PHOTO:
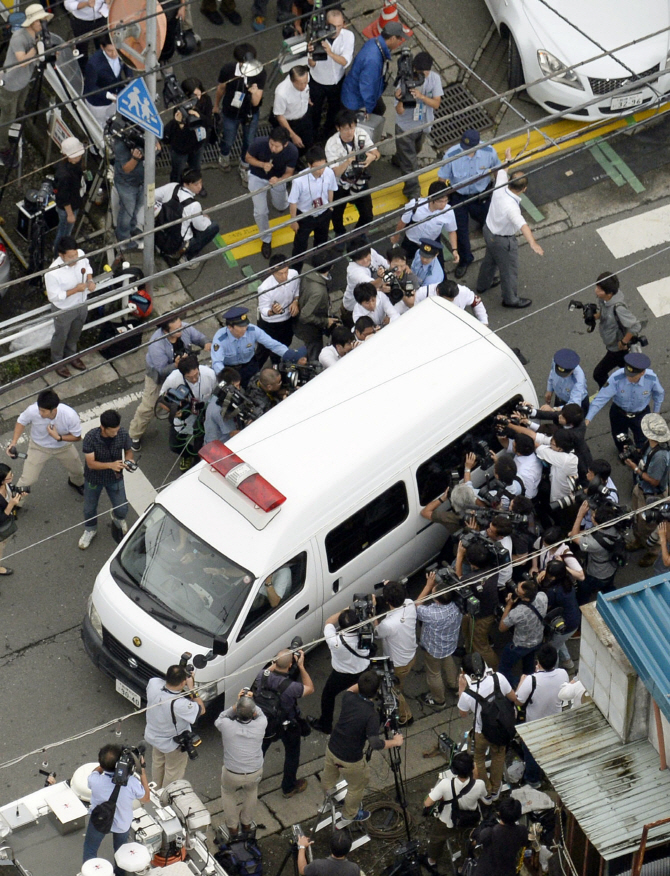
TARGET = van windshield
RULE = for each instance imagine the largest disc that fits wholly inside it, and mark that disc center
(189, 577)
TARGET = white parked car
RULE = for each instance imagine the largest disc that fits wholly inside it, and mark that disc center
(541, 42)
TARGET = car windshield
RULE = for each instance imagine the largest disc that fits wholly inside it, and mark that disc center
(189, 577)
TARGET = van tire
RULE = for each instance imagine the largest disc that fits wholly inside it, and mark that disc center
(515, 76)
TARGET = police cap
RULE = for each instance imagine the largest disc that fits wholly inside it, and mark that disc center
(566, 360)
(470, 138)
(237, 316)
(636, 363)
(429, 247)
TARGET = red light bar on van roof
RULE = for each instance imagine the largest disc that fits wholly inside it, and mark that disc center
(241, 476)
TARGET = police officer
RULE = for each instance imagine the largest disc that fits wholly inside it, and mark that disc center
(634, 390)
(460, 171)
(235, 345)
(425, 263)
(567, 381)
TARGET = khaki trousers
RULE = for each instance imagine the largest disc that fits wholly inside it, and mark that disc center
(480, 638)
(38, 457)
(438, 668)
(145, 410)
(166, 768)
(641, 528)
(236, 787)
(493, 779)
(404, 711)
(357, 776)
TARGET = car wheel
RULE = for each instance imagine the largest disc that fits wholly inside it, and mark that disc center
(515, 76)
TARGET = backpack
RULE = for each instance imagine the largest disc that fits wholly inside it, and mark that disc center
(268, 700)
(169, 240)
(102, 817)
(497, 714)
(240, 858)
(615, 545)
(463, 817)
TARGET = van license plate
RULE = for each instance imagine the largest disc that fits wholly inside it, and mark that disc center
(627, 102)
(129, 694)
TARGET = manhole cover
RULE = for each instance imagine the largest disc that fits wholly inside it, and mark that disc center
(456, 114)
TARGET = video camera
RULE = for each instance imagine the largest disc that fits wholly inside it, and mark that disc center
(486, 515)
(232, 398)
(127, 763)
(181, 403)
(398, 286)
(297, 375)
(126, 131)
(498, 554)
(588, 313)
(187, 740)
(628, 450)
(462, 595)
(659, 514)
(364, 608)
(37, 200)
(317, 30)
(407, 79)
(383, 666)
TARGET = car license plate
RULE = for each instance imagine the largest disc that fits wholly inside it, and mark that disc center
(128, 693)
(630, 100)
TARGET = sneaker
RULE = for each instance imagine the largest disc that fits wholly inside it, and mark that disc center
(87, 537)
(185, 463)
(188, 264)
(77, 487)
(362, 815)
(300, 786)
(491, 798)
(428, 700)
(258, 22)
(244, 174)
(120, 524)
(567, 664)
(224, 162)
(534, 785)
(136, 444)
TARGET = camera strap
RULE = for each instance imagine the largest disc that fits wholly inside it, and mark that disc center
(174, 719)
(620, 324)
(533, 609)
(349, 648)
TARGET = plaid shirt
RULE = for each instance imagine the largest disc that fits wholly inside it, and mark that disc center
(441, 626)
(105, 450)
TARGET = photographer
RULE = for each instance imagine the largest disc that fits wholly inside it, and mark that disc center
(242, 729)
(326, 76)
(450, 510)
(478, 630)
(354, 149)
(357, 725)
(412, 123)
(524, 612)
(169, 344)
(551, 546)
(651, 482)
(314, 305)
(599, 547)
(169, 715)
(398, 634)
(266, 391)
(216, 428)
(106, 450)
(196, 229)
(10, 498)
(570, 418)
(101, 785)
(528, 466)
(280, 677)
(499, 529)
(478, 678)
(373, 303)
(336, 865)
(366, 266)
(462, 793)
(341, 343)
(462, 297)
(278, 304)
(129, 184)
(348, 661)
(238, 99)
(502, 843)
(68, 282)
(397, 259)
(440, 627)
(186, 432)
(616, 324)
(561, 593)
(186, 135)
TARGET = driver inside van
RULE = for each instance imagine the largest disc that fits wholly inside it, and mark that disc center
(275, 587)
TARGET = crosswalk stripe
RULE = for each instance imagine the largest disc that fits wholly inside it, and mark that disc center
(657, 296)
(627, 236)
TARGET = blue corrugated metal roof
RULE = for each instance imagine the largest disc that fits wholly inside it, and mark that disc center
(639, 617)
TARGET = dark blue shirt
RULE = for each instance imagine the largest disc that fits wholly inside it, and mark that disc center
(260, 150)
(105, 450)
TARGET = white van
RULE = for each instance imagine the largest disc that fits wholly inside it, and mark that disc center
(323, 493)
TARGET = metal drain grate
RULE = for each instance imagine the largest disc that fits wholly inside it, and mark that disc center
(456, 114)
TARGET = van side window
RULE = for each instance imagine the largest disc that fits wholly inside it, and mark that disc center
(367, 526)
(275, 590)
(434, 475)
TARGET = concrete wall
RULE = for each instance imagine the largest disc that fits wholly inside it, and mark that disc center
(608, 676)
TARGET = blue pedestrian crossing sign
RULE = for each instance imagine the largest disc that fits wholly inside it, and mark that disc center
(135, 103)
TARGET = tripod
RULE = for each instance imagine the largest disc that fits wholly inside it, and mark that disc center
(291, 853)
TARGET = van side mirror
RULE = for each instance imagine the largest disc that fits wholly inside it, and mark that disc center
(220, 647)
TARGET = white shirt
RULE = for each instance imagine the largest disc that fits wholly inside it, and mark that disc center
(66, 422)
(360, 274)
(398, 630)
(467, 298)
(383, 309)
(99, 10)
(563, 466)
(545, 701)
(289, 102)
(160, 727)
(65, 277)
(201, 390)
(192, 213)
(504, 216)
(505, 574)
(529, 469)
(329, 356)
(337, 150)
(343, 660)
(270, 292)
(469, 801)
(307, 189)
(466, 703)
(427, 223)
(329, 72)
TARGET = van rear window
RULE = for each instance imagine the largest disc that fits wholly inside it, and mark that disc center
(367, 526)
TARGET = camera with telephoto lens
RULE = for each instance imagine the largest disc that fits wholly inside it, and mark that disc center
(174, 95)
(588, 313)
(628, 449)
(298, 375)
(364, 608)
(485, 515)
(481, 450)
(407, 79)
(398, 286)
(36, 200)
(498, 554)
(356, 175)
(232, 398)
(569, 499)
(525, 410)
(126, 131)
(45, 36)
(181, 402)
(659, 514)
(462, 595)
(188, 741)
(492, 492)
(130, 759)
(317, 29)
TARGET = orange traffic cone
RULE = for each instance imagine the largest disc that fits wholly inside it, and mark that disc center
(389, 13)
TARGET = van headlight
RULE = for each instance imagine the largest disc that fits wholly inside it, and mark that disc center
(94, 617)
(551, 66)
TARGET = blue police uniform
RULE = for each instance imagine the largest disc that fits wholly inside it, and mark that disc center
(570, 388)
(630, 401)
(457, 169)
(427, 274)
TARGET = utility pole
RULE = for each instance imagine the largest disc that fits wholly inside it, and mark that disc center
(149, 144)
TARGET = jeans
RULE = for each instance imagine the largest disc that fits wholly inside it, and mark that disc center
(532, 773)
(200, 240)
(130, 200)
(478, 210)
(510, 655)
(117, 497)
(179, 162)
(230, 127)
(290, 737)
(559, 641)
(64, 227)
(92, 841)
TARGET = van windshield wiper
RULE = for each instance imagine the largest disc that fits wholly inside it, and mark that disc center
(178, 620)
